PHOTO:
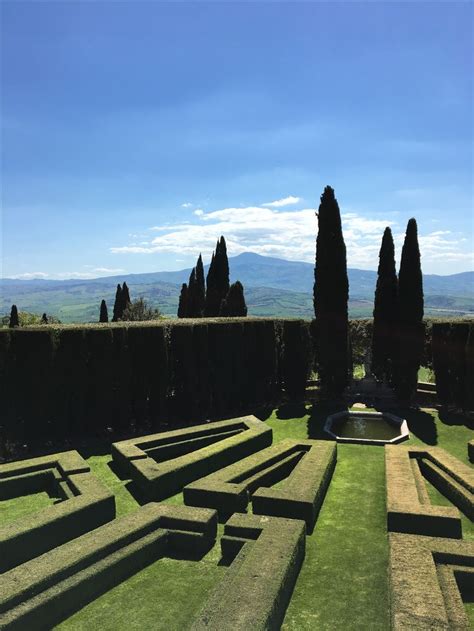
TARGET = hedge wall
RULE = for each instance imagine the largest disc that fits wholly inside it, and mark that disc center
(57, 382)
(453, 362)
(83, 380)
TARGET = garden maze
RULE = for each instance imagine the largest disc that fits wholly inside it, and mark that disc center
(255, 499)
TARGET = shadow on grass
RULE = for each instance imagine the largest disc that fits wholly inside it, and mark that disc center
(420, 423)
(318, 416)
(449, 417)
(263, 413)
(292, 409)
(117, 471)
(189, 554)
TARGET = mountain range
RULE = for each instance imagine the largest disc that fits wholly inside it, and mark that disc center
(273, 287)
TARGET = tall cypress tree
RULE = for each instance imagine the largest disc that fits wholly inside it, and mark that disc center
(410, 305)
(222, 269)
(192, 295)
(14, 321)
(212, 295)
(385, 311)
(183, 302)
(118, 304)
(330, 296)
(125, 297)
(104, 316)
(233, 304)
(200, 297)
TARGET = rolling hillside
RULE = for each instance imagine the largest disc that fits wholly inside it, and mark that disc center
(273, 287)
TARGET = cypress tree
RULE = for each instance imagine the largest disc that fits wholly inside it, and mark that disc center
(330, 296)
(192, 295)
(200, 294)
(118, 309)
(222, 269)
(385, 311)
(233, 304)
(217, 279)
(212, 296)
(125, 297)
(14, 321)
(183, 302)
(410, 305)
(44, 319)
(104, 316)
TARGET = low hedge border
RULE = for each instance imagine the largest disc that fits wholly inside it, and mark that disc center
(257, 588)
(87, 504)
(427, 577)
(207, 447)
(302, 494)
(449, 487)
(408, 510)
(46, 590)
(309, 465)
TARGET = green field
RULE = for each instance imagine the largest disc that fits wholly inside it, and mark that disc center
(343, 582)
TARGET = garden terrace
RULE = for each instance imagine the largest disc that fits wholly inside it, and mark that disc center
(161, 464)
(83, 503)
(429, 579)
(44, 591)
(140, 569)
(305, 467)
(408, 505)
(137, 570)
(266, 555)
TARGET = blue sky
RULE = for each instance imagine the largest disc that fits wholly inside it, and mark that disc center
(135, 133)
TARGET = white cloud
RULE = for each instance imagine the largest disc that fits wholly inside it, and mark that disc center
(68, 275)
(108, 270)
(199, 212)
(29, 275)
(286, 201)
(186, 205)
(289, 234)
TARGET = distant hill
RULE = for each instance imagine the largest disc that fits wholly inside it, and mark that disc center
(273, 287)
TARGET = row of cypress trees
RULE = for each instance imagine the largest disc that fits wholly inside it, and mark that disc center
(398, 333)
(216, 297)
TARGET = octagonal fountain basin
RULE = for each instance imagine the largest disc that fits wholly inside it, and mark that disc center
(367, 428)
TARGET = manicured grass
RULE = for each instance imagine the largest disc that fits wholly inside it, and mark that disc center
(343, 583)
(426, 374)
(165, 595)
(18, 507)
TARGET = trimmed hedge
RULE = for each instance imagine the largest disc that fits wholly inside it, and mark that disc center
(302, 493)
(162, 464)
(44, 591)
(453, 363)
(408, 507)
(427, 578)
(307, 464)
(255, 591)
(70, 381)
(87, 504)
(60, 382)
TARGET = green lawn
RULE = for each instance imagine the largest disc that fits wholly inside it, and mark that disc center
(19, 507)
(343, 582)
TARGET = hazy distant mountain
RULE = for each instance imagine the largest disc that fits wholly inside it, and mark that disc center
(272, 286)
